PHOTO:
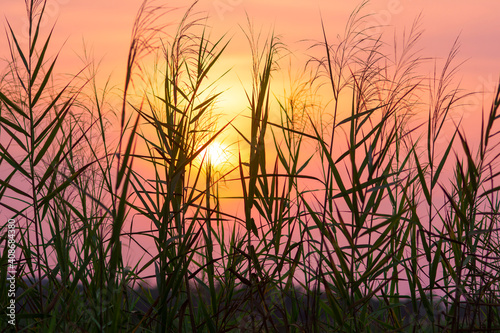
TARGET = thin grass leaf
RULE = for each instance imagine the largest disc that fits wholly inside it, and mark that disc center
(10, 104)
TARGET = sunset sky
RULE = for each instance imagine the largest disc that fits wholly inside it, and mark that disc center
(105, 26)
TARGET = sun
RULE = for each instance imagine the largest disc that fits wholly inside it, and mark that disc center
(216, 154)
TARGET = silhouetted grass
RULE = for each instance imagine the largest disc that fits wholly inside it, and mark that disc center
(356, 216)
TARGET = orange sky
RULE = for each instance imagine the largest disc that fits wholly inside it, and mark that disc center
(106, 25)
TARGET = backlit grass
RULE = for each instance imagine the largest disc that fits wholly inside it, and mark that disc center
(355, 213)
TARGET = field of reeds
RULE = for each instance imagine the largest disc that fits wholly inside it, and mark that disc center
(370, 211)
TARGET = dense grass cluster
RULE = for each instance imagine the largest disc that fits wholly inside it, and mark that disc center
(358, 215)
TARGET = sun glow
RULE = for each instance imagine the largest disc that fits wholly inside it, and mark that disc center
(216, 155)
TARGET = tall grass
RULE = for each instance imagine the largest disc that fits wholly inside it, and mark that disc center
(355, 216)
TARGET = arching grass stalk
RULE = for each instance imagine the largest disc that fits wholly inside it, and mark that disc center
(176, 114)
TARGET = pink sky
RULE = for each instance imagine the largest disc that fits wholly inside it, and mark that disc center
(105, 26)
